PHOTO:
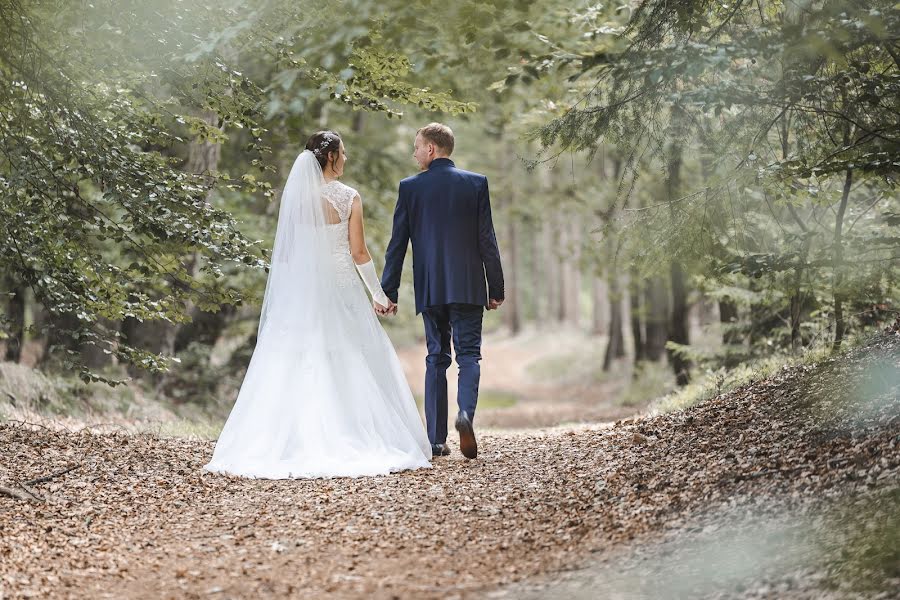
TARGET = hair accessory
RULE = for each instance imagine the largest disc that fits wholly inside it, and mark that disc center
(326, 141)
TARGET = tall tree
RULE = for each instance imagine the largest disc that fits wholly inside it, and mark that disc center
(101, 99)
(728, 77)
(678, 323)
(14, 293)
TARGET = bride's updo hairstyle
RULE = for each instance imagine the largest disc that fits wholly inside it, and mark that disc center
(323, 143)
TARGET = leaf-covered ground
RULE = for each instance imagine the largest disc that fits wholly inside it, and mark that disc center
(816, 448)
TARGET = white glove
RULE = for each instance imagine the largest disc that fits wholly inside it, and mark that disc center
(369, 277)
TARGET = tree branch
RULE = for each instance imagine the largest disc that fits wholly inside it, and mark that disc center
(47, 478)
(19, 494)
(722, 25)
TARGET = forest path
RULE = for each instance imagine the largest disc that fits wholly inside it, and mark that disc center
(537, 378)
(138, 518)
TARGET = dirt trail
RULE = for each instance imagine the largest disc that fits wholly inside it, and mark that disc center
(546, 378)
(137, 518)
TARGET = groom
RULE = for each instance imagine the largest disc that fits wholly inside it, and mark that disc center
(446, 213)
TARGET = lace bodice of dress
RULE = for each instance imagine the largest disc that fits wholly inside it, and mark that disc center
(340, 197)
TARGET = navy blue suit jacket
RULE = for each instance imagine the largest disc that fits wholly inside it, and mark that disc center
(446, 213)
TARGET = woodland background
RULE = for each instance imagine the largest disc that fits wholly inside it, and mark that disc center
(701, 189)
(692, 389)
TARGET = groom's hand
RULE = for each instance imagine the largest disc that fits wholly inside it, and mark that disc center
(383, 311)
(494, 304)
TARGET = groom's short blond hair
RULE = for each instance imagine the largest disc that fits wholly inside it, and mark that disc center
(440, 135)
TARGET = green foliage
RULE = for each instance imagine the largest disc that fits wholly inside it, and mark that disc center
(100, 215)
(788, 122)
(103, 215)
(649, 381)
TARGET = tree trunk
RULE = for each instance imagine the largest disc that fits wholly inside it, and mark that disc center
(156, 336)
(615, 347)
(58, 335)
(93, 357)
(162, 337)
(599, 304)
(837, 292)
(15, 312)
(634, 305)
(706, 312)
(798, 300)
(204, 328)
(537, 277)
(657, 316)
(679, 325)
(52, 333)
(550, 284)
(798, 296)
(556, 284)
(678, 328)
(562, 284)
(512, 310)
(838, 280)
(359, 121)
(573, 262)
(203, 157)
(728, 316)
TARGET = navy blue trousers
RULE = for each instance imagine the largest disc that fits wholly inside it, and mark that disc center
(462, 324)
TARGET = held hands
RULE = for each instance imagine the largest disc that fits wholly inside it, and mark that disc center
(383, 311)
(391, 308)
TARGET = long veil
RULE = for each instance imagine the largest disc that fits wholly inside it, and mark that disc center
(301, 273)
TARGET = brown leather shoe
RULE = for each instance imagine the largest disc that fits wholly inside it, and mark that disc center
(467, 444)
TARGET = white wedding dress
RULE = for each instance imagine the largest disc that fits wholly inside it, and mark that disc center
(324, 394)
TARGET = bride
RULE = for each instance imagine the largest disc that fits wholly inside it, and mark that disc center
(324, 394)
